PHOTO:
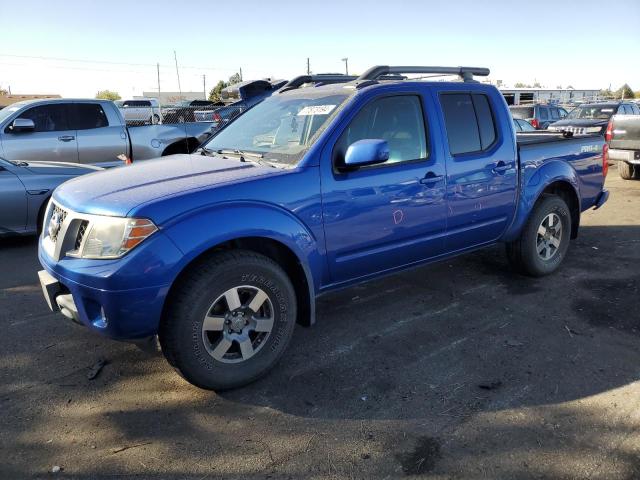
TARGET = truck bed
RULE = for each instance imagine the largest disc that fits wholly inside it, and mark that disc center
(530, 138)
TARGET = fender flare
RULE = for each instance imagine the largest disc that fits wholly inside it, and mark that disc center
(248, 219)
(532, 187)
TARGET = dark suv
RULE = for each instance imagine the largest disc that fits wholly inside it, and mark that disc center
(540, 116)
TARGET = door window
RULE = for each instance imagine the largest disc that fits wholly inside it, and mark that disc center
(543, 113)
(85, 116)
(469, 122)
(48, 118)
(398, 120)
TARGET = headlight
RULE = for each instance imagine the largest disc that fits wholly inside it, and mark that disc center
(112, 237)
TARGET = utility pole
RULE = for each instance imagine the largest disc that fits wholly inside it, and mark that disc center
(240, 73)
(346, 65)
(308, 67)
(159, 91)
(204, 86)
(175, 57)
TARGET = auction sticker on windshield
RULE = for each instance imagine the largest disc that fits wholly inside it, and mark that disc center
(317, 110)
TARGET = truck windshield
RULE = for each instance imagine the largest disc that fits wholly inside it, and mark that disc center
(593, 112)
(282, 127)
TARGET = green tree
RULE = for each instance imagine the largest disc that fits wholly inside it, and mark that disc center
(215, 93)
(235, 78)
(108, 95)
(3, 91)
(521, 85)
(625, 91)
(537, 85)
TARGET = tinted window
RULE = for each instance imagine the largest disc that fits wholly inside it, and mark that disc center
(525, 126)
(398, 120)
(542, 113)
(636, 110)
(48, 118)
(137, 103)
(460, 121)
(469, 122)
(485, 120)
(563, 112)
(88, 115)
(554, 113)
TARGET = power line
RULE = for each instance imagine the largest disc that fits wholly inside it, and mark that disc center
(107, 62)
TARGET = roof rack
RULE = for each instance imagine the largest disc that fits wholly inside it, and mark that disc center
(321, 79)
(466, 73)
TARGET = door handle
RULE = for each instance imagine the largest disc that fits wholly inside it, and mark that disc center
(500, 168)
(66, 138)
(430, 178)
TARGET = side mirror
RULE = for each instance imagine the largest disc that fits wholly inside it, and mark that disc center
(366, 152)
(22, 125)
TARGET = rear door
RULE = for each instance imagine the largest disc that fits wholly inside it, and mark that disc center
(481, 169)
(13, 201)
(100, 139)
(52, 139)
(380, 217)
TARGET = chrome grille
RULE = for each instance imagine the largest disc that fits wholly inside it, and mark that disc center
(55, 222)
(80, 236)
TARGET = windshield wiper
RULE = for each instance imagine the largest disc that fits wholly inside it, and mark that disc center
(239, 153)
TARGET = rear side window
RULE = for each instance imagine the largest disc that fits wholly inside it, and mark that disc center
(398, 120)
(636, 110)
(86, 116)
(542, 113)
(48, 118)
(137, 103)
(469, 122)
(554, 113)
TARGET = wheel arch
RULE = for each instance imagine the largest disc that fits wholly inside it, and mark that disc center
(271, 248)
(560, 179)
(184, 145)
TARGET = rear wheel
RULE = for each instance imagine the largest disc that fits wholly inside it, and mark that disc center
(544, 240)
(229, 320)
(625, 170)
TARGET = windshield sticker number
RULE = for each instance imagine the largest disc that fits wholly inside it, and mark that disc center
(316, 110)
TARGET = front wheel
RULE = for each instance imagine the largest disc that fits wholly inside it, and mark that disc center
(229, 320)
(544, 240)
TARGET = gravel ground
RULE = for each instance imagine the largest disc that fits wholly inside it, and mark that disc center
(457, 370)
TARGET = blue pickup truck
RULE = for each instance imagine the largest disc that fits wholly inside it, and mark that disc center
(221, 252)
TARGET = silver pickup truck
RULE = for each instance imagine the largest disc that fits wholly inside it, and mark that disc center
(623, 138)
(89, 131)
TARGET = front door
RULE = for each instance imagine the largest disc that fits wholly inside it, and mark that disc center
(52, 139)
(384, 216)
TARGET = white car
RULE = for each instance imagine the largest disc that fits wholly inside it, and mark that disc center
(144, 110)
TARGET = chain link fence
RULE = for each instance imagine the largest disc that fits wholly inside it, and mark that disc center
(148, 112)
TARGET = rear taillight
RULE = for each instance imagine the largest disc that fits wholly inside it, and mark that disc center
(605, 160)
(608, 135)
(217, 117)
(535, 123)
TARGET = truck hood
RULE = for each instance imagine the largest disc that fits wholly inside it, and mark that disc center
(118, 190)
(58, 168)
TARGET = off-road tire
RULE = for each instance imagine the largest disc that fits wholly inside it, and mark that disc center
(523, 252)
(180, 331)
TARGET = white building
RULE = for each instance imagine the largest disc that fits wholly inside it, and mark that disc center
(167, 98)
(518, 96)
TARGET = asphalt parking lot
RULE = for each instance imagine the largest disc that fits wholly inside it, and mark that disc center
(457, 370)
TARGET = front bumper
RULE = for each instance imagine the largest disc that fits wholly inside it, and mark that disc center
(121, 299)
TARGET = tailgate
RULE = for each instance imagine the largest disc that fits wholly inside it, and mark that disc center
(625, 134)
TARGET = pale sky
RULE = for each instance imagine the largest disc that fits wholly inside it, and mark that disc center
(75, 48)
